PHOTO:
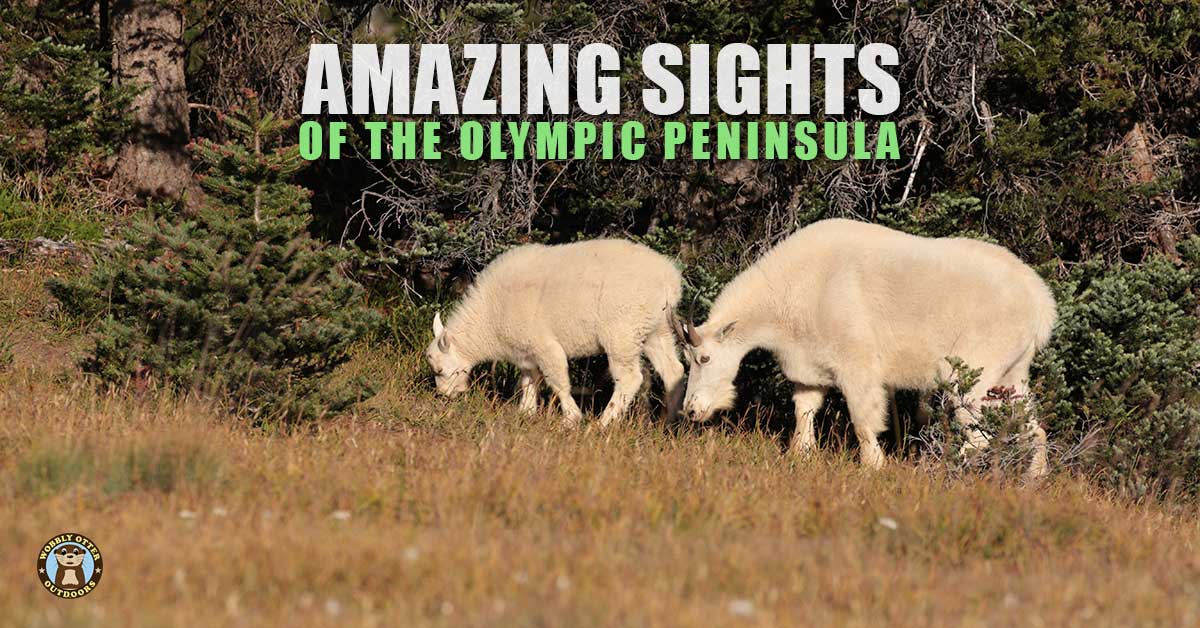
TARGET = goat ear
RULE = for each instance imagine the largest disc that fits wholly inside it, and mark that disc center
(438, 328)
(439, 332)
(725, 330)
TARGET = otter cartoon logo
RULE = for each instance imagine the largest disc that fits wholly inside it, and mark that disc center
(70, 565)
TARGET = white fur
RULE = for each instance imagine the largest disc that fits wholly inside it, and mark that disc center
(538, 306)
(865, 309)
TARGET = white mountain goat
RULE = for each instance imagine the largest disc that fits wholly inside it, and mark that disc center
(537, 306)
(867, 309)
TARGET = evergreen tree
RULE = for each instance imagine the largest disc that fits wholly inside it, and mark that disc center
(1123, 362)
(237, 300)
(56, 102)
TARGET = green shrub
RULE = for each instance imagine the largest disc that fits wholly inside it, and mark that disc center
(56, 100)
(1124, 363)
(237, 300)
(1002, 417)
(61, 118)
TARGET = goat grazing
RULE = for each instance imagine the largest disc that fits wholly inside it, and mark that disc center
(538, 306)
(867, 309)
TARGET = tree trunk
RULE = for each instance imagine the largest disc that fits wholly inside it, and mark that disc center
(147, 39)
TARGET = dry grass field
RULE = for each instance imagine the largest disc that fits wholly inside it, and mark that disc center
(413, 511)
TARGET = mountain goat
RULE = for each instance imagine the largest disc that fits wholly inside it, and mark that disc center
(867, 309)
(537, 306)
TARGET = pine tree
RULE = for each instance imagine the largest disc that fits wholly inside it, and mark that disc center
(238, 300)
(56, 101)
(1123, 363)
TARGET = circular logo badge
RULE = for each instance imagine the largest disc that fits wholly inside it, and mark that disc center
(69, 565)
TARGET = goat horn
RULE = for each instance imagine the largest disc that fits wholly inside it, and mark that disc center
(693, 338)
(677, 327)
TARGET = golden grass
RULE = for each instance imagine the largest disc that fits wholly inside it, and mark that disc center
(414, 511)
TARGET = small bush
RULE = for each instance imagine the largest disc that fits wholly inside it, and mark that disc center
(57, 102)
(1002, 417)
(1125, 360)
(238, 300)
(61, 118)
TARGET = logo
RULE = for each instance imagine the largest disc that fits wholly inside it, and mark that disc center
(70, 565)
